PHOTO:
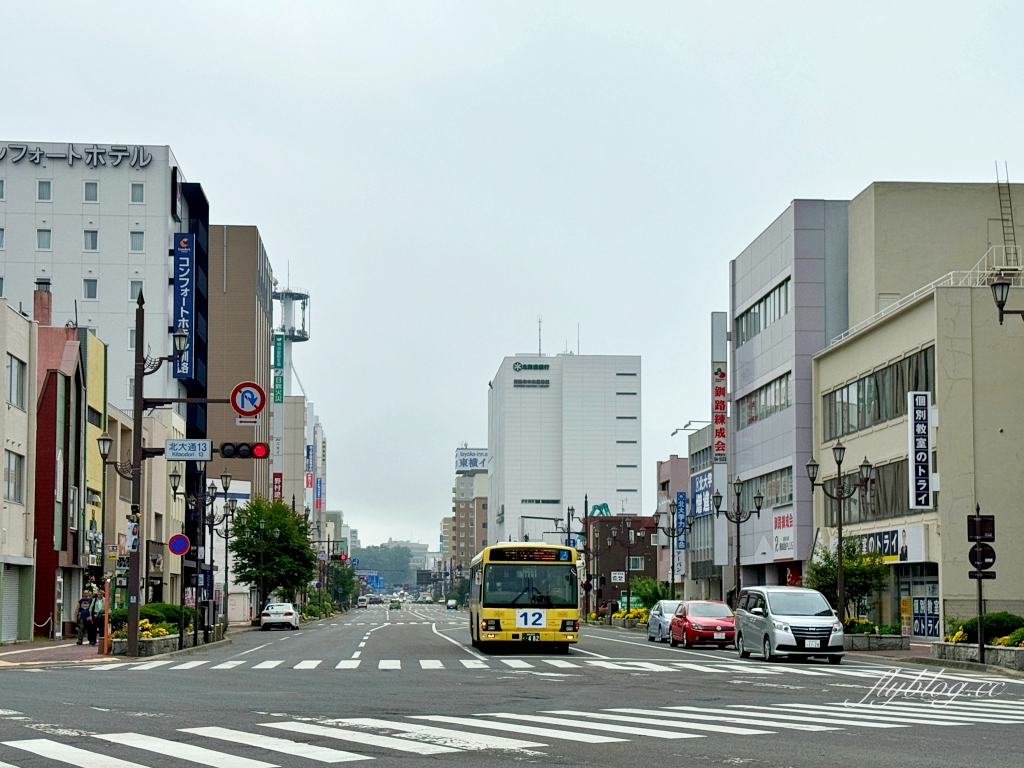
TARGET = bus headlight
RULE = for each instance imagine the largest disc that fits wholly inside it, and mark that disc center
(570, 625)
(490, 625)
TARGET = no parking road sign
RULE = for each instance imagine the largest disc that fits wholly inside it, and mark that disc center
(248, 398)
(178, 544)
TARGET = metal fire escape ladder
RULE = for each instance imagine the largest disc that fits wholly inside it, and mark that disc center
(1006, 214)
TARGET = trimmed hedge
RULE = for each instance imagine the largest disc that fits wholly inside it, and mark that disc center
(996, 625)
(155, 612)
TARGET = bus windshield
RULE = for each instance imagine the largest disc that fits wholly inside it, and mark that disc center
(552, 586)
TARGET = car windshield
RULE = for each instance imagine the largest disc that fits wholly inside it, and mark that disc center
(279, 607)
(522, 584)
(670, 606)
(708, 610)
(798, 604)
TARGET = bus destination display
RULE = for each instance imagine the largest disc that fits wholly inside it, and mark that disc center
(529, 555)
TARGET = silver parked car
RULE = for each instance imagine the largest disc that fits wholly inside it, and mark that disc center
(659, 620)
(787, 621)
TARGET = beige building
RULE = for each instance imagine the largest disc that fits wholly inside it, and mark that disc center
(293, 451)
(241, 338)
(19, 340)
(923, 320)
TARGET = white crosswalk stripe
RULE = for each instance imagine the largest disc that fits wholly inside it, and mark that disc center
(880, 713)
(66, 753)
(656, 733)
(183, 751)
(623, 718)
(275, 744)
(550, 733)
(818, 719)
(229, 665)
(474, 664)
(269, 664)
(463, 739)
(700, 713)
(308, 664)
(150, 665)
(389, 664)
(361, 737)
(517, 663)
(347, 664)
(431, 664)
(190, 665)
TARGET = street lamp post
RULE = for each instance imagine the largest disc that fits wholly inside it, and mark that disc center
(839, 494)
(738, 516)
(1000, 293)
(628, 543)
(144, 366)
(672, 532)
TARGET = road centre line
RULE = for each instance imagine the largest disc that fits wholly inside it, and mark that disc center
(456, 642)
(255, 649)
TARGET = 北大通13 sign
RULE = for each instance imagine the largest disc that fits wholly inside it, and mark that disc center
(183, 298)
(91, 155)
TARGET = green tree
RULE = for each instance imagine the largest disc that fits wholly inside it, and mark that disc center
(392, 563)
(342, 585)
(649, 591)
(284, 563)
(863, 574)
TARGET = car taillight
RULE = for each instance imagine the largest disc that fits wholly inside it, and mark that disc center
(570, 625)
(265, 613)
(490, 625)
(289, 613)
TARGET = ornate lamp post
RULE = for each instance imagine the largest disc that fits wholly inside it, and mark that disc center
(1000, 293)
(737, 516)
(672, 532)
(840, 493)
(628, 543)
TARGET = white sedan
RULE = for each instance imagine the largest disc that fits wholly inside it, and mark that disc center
(279, 615)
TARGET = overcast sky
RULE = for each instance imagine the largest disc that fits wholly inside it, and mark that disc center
(440, 174)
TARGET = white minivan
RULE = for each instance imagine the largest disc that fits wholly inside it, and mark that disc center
(362, 601)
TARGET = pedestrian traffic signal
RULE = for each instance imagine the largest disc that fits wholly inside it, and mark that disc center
(244, 450)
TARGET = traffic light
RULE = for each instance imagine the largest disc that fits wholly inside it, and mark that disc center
(244, 450)
(342, 557)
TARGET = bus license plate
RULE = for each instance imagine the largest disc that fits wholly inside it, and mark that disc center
(812, 643)
(531, 637)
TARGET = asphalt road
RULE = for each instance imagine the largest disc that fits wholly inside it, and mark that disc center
(403, 688)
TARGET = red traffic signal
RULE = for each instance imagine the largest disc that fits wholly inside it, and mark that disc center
(344, 557)
(244, 450)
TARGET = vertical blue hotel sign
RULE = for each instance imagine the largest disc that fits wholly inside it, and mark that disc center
(184, 299)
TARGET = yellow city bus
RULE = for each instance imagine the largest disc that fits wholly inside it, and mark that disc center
(524, 592)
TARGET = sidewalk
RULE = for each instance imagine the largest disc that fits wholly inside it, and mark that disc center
(49, 651)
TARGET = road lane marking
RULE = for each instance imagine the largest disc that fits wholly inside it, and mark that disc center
(228, 665)
(348, 664)
(356, 654)
(275, 744)
(182, 751)
(577, 649)
(190, 665)
(431, 664)
(461, 738)
(389, 664)
(517, 664)
(599, 636)
(561, 664)
(108, 666)
(748, 668)
(361, 737)
(433, 628)
(362, 644)
(308, 664)
(698, 714)
(255, 649)
(551, 733)
(656, 733)
(269, 664)
(65, 753)
(623, 718)
(474, 664)
(879, 713)
(151, 665)
(798, 718)
(696, 667)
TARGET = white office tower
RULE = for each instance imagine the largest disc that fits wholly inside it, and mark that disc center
(560, 429)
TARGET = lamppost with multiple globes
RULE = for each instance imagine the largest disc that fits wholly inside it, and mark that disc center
(673, 532)
(132, 470)
(841, 491)
(737, 515)
(627, 542)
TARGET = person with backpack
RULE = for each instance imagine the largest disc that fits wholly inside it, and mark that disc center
(83, 616)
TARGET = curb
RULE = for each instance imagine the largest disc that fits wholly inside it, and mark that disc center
(969, 666)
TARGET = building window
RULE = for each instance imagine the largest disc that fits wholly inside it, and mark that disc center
(94, 417)
(462, 504)
(764, 401)
(1, 238)
(483, 542)
(540, 501)
(627, 418)
(131, 387)
(1, 279)
(626, 466)
(462, 524)
(137, 242)
(483, 524)
(701, 460)
(131, 338)
(878, 397)
(625, 442)
(92, 191)
(776, 487)
(44, 191)
(92, 240)
(89, 289)
(1, 189)
(138, 192)
(773, 306)
(43, 239)
(134, 289)
(636, 563)
(653, 538)
(14, 477)
(625, 490)
(625, 374)
(16, 381)
(632, 394)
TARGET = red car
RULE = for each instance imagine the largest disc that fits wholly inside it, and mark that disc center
(702, 621)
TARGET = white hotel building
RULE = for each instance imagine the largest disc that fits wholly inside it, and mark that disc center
(560, 429)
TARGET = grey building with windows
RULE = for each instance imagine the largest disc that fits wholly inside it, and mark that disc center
(788, 298)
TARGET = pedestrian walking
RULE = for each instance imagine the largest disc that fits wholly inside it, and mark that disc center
(84, 616)
(97, 610)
